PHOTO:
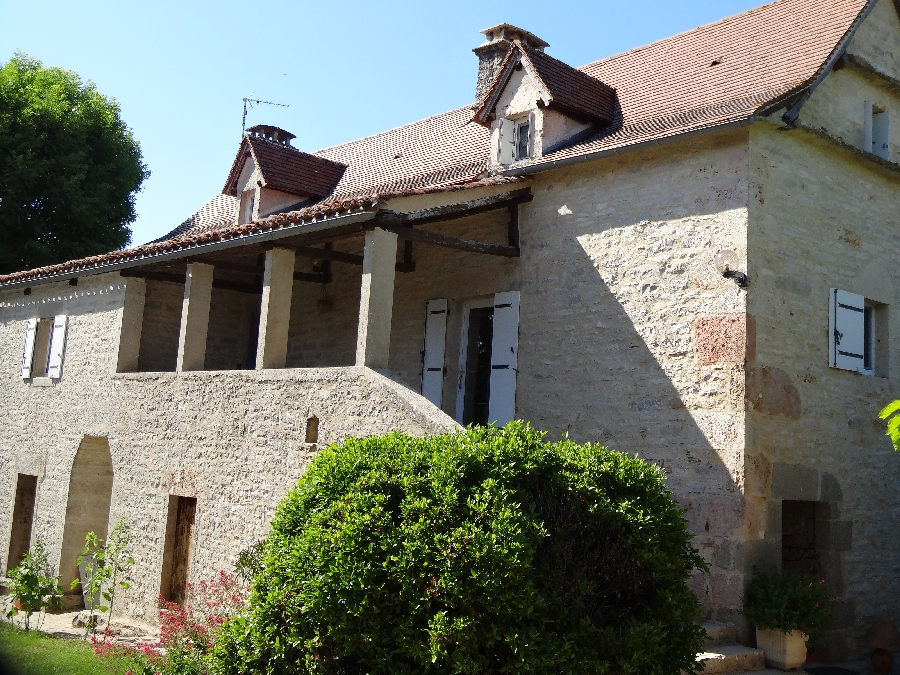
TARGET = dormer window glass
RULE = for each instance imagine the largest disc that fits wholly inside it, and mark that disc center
(523, 135)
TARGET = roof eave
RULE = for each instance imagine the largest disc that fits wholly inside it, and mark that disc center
(197, 249)
(608, 152)
(798, 96)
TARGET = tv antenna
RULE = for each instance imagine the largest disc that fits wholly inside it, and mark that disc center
(250, 103)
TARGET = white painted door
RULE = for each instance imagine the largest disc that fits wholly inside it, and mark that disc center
(433, 357)
(504, 357)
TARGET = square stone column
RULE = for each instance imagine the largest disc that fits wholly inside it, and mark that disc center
(275, 310)
(376, 303)
(132, 325)
(195, 317)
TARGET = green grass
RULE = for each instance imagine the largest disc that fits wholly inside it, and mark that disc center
(33, 653)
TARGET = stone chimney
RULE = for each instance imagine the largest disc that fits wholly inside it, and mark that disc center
(498, 41)
(271, 133)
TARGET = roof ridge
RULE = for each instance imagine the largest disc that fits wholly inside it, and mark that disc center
(639, 48)
(393, 129)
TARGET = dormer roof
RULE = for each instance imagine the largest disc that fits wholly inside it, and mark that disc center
(284, 168)
(560, 87)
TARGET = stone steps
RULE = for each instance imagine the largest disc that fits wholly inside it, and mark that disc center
(725, 659)
(723, 656)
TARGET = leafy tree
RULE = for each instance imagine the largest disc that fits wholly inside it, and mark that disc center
(486, 551)
(69, 168)
(893, 425)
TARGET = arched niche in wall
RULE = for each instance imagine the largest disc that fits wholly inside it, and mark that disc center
(87, 509)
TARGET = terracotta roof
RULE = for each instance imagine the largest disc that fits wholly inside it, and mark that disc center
(293, 220)
(723, 72)
(286, 168)
(440, 149)
(218, 212)
(562, 87)
(717, 73)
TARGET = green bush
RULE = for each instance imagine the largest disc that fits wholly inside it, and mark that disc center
(787, 601)
(487, 551)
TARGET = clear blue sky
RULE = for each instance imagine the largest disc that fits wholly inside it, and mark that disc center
(346, 68)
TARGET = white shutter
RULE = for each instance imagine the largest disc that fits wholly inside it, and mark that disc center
(847, 343)
(507, 141)
(867, 126)
(57, 346)
(28, 354)
(504, 358)
(881, 135)
(433, 357)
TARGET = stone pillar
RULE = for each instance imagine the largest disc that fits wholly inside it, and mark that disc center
(132, 325)
(195, 317)
(376, 303)
(275, 310)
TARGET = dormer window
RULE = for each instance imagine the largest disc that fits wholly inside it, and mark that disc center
(523, 136)
(535, 105)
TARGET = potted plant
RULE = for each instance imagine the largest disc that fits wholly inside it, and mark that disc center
(786, 608)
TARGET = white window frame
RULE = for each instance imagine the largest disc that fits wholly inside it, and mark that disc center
(520, 124)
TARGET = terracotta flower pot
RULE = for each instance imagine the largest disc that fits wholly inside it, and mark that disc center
(784, 651)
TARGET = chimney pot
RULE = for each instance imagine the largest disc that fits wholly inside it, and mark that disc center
(498, 41)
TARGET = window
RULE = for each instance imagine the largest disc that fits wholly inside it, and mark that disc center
(512, 139)
(858, 334)
(45, 341)
(523, 135)
(877, 131)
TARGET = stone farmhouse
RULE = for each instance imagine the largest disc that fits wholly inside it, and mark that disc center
(687, 251)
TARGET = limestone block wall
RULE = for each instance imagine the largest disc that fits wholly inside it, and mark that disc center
(837, 107)
(821, 217)
(233, 440)
(877, 40)
(630, 338)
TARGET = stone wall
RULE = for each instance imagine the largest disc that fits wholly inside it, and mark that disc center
(630, 338)
(823, 216)
(233, 440)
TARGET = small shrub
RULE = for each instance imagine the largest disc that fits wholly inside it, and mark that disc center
(32, 585)
(488, 551)
(186, 632)
(107, 570)
(787, 601)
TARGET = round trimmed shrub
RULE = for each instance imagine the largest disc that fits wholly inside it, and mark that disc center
(485, 551)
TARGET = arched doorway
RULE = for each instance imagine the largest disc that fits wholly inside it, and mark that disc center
(87, 509)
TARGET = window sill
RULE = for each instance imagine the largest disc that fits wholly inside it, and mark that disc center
(41, 382)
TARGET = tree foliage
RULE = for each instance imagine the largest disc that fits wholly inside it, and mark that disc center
(69, 168)
(893, 425)
(488, 551)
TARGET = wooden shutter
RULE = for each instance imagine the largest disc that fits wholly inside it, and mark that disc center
(433, 356)
(847, 330)
(881, 135)
(867, 126)
(28, 354)
(57, 346)
(507, 143)
(504, 358)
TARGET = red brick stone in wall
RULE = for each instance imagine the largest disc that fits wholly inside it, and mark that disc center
(723, 339)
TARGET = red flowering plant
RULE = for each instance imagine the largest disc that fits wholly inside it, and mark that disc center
(187, 631)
